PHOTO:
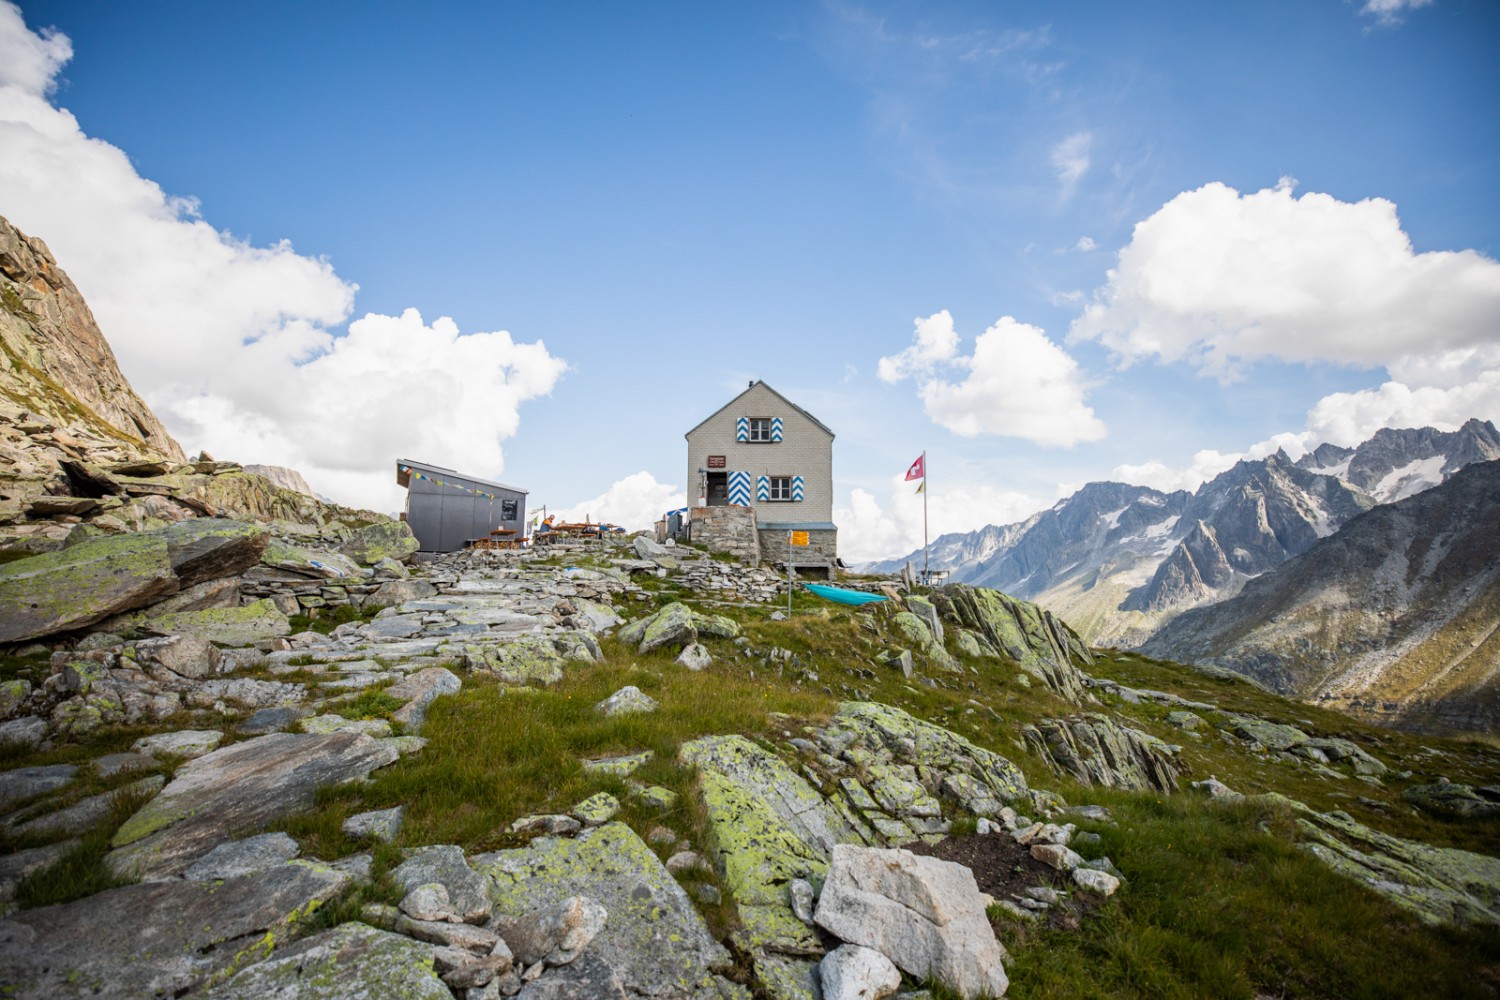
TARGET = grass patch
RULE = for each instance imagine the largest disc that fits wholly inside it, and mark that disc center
(1220, 902)
(34, 668)
(81, 870)
(496, 754)
(370, 704)
(329, 619)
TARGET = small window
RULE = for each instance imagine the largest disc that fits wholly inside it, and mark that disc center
(760, 428)
(781, 487)
(510, 510)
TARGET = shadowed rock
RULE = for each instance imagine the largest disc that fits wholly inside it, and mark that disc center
(153, 939)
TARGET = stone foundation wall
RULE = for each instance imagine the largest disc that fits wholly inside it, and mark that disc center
(726, 529)
(821, 549)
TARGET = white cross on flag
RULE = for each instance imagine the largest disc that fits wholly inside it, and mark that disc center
(918, 468)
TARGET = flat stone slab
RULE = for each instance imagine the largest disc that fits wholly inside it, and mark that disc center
(84, 813)
(184, 743)
(112, 764)
(241, 787)
(272, 720)
(82, 584)
(234, 858)
(242, 626)
(24, 782)
(654, 940)
(351, 962)
(153, 939)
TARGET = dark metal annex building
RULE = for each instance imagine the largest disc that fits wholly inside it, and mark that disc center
(447, 510)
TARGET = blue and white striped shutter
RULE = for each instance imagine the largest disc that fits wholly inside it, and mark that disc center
(796, 487)
(739, 488)
(763, 488)
(775, 428)
(742, 430)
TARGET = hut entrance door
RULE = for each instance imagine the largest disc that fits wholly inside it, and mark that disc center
(718, 489)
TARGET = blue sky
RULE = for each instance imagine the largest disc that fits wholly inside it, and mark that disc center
(659, 202)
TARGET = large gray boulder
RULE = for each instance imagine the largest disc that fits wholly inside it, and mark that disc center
(419, 691)
(394, 593)
(83, 584)
(654, 943)
(153, 939)
(351, 962)
(241, 787)
(444, 865)
(924, 914)
(383, 540)
(208, 548)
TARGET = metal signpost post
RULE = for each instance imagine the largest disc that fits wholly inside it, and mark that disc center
(792, 538)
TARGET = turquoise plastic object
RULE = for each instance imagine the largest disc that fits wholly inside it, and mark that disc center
(839, 595)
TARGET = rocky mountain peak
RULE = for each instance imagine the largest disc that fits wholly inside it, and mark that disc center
(55, 363)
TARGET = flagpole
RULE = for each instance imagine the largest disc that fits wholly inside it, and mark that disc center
(925, 578)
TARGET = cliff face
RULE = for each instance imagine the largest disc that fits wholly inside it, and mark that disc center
(1394, 617)
(56, 364)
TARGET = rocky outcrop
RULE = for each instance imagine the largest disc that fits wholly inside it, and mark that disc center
(1042, 644)
(925, 915)
(876, 776)
(61, 591)
(56, 364)
(1393, 618)
(237, 788)
(675, 626)
(350, 961)
(1438, 884)
(1097, 750)
(282, 478)
(653, 943)
(109, 575)
(192, 929)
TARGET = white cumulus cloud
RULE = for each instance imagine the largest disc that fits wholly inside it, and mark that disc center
(1016, 383)
(635, 503)
(871, 529)
(1216, 277)
(239, 347)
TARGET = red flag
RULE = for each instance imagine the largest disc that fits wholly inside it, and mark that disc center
(918, 468)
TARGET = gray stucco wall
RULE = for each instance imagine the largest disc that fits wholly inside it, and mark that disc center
(805, 450)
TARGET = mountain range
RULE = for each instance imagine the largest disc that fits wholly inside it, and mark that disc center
(1120, 561)
(1395, 615)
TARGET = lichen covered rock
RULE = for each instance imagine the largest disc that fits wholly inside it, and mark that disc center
(1043, 645)
(351, 962)
(654, 941)
(82, 584)
(383, 540)
(1099, 751)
